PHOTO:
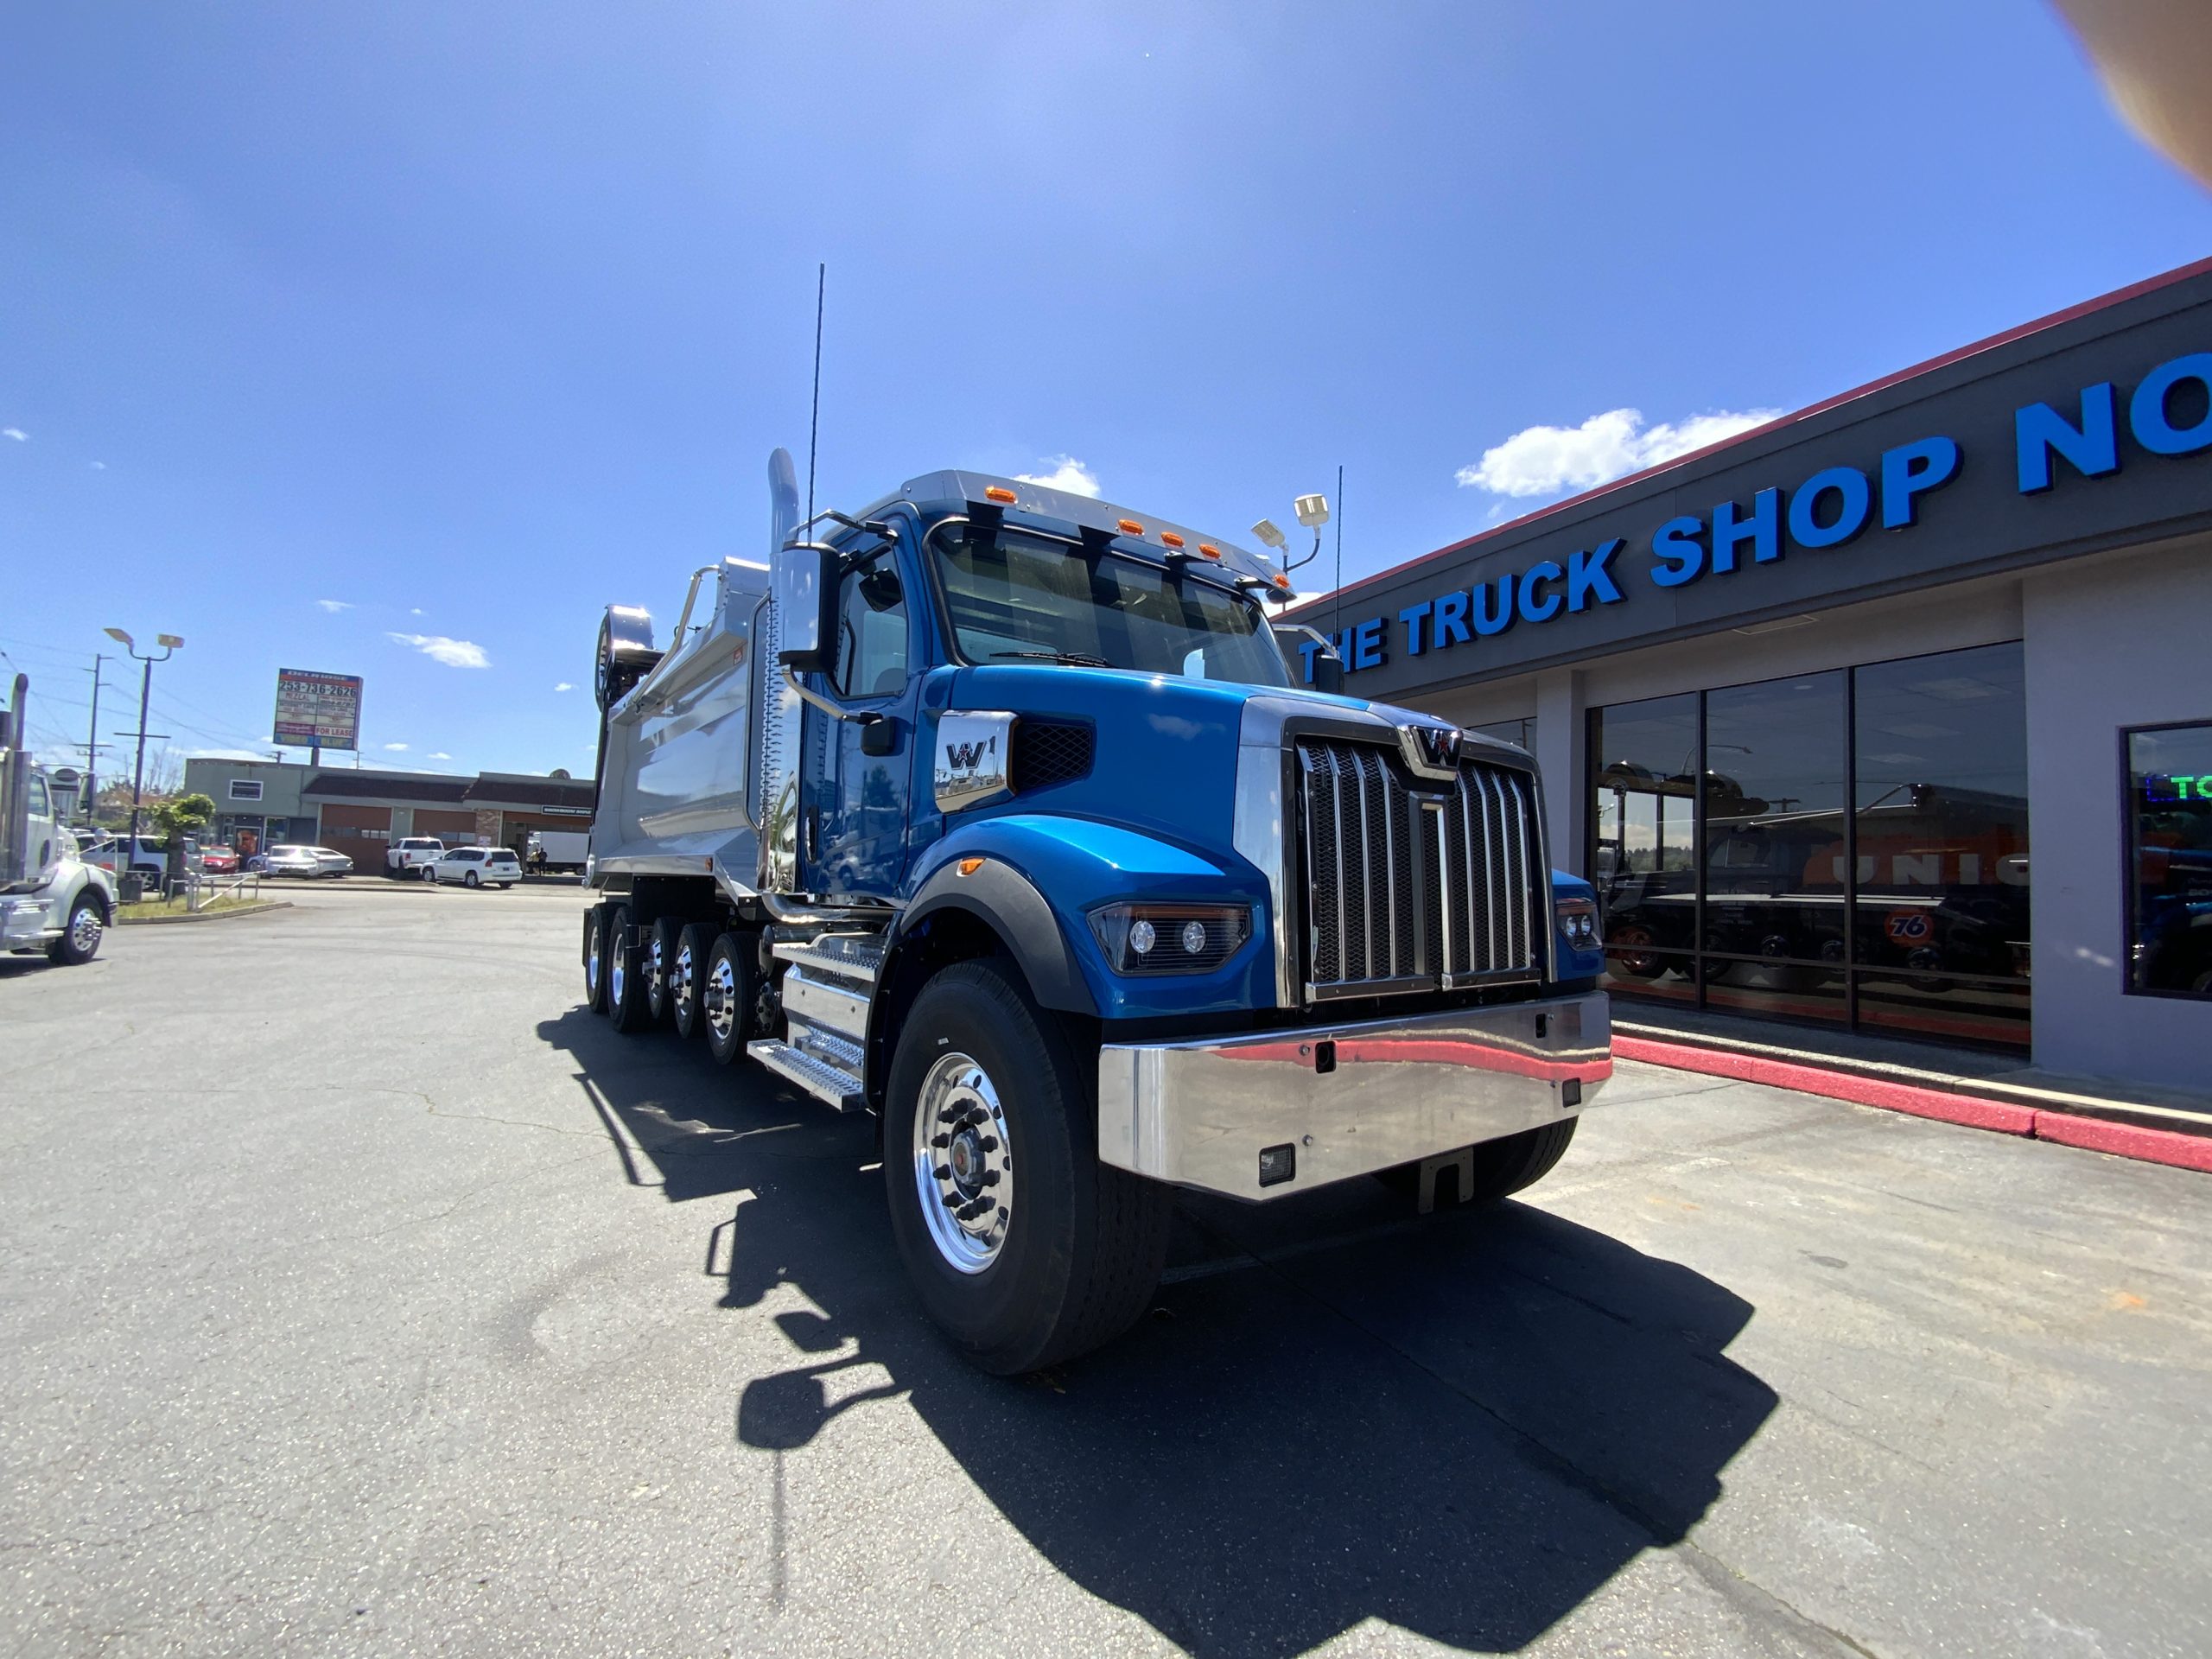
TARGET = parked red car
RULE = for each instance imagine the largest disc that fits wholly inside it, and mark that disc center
(219, 861)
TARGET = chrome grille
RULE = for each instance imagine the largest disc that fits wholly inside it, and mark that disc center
(1414, 885)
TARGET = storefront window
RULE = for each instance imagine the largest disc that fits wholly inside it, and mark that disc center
(1941, 922)
(1864, 846)
(1775, 774)
(2170, 861)
(1644, 756)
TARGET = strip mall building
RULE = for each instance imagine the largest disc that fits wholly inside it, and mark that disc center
(1893, 714)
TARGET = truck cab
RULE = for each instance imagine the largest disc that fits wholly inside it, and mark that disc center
(995, 811)
(50, 898)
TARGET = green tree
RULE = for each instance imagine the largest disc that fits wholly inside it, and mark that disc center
(179, 816)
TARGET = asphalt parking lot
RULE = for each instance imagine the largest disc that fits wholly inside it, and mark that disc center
(360, 1291)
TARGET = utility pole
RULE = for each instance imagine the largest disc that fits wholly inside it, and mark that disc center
(169, 642)
(92, 744)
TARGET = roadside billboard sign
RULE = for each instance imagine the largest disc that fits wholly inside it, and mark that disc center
(318, 709)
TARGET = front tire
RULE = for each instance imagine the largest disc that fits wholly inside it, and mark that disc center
(80, 937)
(1016, 1283)
(470, 881)
(688, 977)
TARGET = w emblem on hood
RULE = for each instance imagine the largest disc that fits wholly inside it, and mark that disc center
(1430, 752)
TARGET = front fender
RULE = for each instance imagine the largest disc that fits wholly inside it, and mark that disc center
(1039, 877)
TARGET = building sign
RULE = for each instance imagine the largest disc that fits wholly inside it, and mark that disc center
(2054, 444)
(316, 709)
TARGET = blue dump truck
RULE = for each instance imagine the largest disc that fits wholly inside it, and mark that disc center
(995, 811)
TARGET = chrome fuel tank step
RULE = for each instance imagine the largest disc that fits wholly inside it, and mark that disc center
(817, 1076)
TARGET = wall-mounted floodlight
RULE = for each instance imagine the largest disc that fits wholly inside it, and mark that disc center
(1312, 510)
(1265, 530)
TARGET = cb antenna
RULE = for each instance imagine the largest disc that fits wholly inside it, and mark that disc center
(814, 420)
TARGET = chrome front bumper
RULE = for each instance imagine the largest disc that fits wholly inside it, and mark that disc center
(1346, 1099)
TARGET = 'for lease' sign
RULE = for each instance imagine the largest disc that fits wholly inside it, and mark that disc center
(318, 709)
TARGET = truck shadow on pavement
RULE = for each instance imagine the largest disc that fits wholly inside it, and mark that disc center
(1463, 1424)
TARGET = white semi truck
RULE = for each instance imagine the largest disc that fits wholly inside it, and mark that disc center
(50, 900)
(995, 811)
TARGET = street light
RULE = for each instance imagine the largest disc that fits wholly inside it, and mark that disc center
(168, 643)
(1312, 511)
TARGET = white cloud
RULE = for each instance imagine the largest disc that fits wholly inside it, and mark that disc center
(97, 466)
(454, 653)
(395, 747)
(14, 432)
(334, 606)
(226, 755)
(1068, 473)
(440, 754)
(417, 611)
(564, 686)
(1544, 459)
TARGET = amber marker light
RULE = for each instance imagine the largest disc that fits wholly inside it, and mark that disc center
(1169, 538)
(969, 866)
(1209, 549)
(1281, 580)
(998, 492)
(1129, 526)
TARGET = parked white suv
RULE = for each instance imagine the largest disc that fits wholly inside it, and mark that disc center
(476, 867)
(412, 856)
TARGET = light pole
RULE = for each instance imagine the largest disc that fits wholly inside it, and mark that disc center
(168, 643)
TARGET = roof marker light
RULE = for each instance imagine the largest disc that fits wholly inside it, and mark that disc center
(1209, 549)
(1281, 580)
(1129, 526)
(1170, 538)
(998, 492)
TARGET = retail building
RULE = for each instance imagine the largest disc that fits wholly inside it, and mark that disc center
(1895, 713)
(360, 812)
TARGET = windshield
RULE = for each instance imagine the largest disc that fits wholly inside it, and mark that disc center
(1011, 599)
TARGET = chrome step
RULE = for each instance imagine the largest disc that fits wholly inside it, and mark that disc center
(839, 1004)
(840, 1053)
(848, 955)
(818, 1077)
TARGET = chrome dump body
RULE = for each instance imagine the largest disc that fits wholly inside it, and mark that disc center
(679, 789)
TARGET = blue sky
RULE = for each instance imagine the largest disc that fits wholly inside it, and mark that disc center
(469, 318)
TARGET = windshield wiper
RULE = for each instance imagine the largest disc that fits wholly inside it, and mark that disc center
(1072, 658)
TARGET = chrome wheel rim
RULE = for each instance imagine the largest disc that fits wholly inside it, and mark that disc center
(963, 1163)
(656, 987)
(84, 928)
(721, 999)
(682, 978)
(591, 962)
(618, 981)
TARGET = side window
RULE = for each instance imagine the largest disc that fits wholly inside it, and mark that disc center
(39, 806)
(871, 632)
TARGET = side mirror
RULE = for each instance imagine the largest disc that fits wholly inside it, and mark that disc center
(806, 599)
(1329, 673)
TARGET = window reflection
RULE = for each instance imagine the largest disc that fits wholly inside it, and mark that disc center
(2170, 817)
(1774, 806)
(1944, 814)
(1921, 927)
(1644, 758)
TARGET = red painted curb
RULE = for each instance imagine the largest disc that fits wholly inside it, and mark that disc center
(2126, 1141)
(2092, 1135)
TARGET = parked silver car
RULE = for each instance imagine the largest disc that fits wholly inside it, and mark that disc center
(290, 859)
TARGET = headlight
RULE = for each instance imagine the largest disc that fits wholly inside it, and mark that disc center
(1170, 939)
(1578, 922)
